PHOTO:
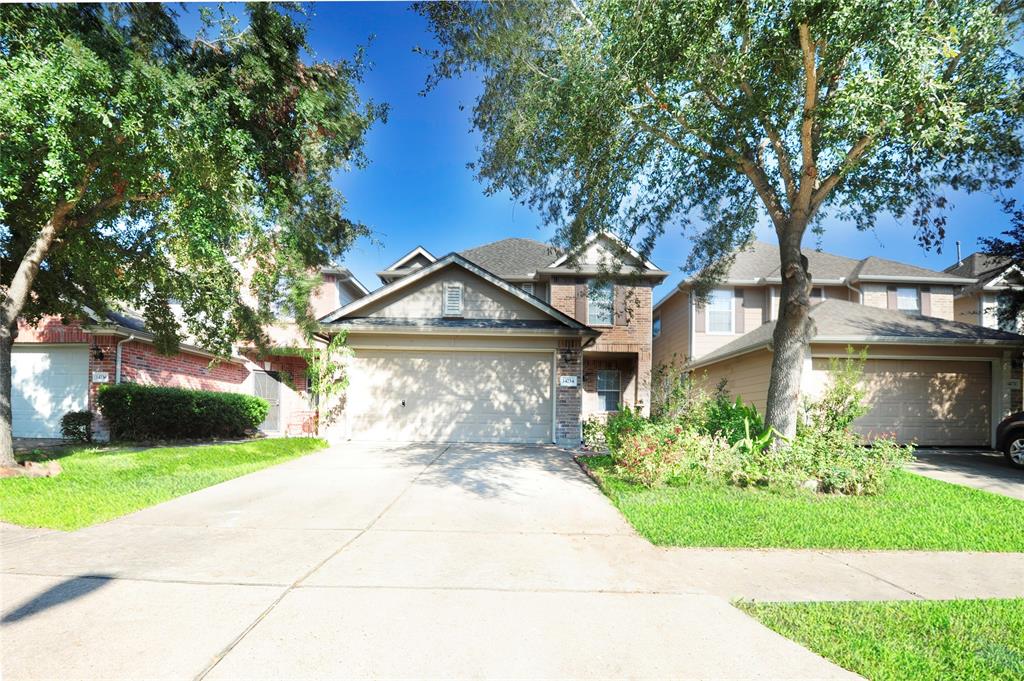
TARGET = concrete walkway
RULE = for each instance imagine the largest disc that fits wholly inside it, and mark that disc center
(422, 561)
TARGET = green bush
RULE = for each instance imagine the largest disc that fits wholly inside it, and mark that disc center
(621, 424)
(732, 419)
(141, 412)
(677, 396)
(593, 433)
(77, 425)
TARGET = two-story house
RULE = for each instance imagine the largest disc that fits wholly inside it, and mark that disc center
(59, 367)
(512, 341)
(981, 302)
(931, 378)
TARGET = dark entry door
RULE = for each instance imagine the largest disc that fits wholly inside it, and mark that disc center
(269, 388)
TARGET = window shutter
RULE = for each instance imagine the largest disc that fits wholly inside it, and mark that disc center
(699, 325)
(738, 305)
(581, 302)
(452, 299)
(619, 298)
(890, 298)
(926, 301)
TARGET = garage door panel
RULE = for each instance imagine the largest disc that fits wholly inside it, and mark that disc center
(930, 402)
(449, 396)
(47, 383)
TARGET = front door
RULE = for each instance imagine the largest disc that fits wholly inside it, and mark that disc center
(269, 388)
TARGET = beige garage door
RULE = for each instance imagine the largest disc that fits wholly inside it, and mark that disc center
(445, 396)
(930, 402)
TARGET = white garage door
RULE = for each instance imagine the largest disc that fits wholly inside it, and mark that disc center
(46, 383)
(930, 402)
(403, 395)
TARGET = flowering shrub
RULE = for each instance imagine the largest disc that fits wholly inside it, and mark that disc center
(620, 424)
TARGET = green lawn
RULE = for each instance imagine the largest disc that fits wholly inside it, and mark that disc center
(913, 513)
(98, 484)
(913, 640)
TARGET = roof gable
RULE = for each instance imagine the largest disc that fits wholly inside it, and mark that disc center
(497, 299)
(513, 257)
(418, 256)
(606, 250)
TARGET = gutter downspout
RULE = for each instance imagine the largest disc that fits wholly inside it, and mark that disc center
(117, 361)
(860, 294)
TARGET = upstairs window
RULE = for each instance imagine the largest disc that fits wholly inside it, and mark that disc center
(528, 287)
(720, 314)
(656, 327)
(600, 304)
(452, 299)
(609, 390)
(907, 300)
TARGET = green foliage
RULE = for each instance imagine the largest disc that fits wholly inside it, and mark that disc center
(593, 433)
(676, 394)
(161, 161)
(907, 640)
(1005, 250)
(143, 413)
(843, 400)
(605, 114)
(621, 424)
(99, 484)
(714, 438)
(77, 426)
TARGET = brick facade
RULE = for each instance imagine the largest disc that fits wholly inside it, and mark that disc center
(141, 363)
(632, 340)
(569, 400)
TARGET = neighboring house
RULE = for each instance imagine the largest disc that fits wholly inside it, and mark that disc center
(981, 301)
(58, 367)
(931, 379)
(508, 342)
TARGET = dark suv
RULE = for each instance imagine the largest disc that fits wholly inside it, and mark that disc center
(1010, 436)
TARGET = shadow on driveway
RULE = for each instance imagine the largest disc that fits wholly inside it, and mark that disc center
(977, 468)
(68, 590)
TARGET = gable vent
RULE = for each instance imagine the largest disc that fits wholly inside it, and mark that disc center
(452, 299)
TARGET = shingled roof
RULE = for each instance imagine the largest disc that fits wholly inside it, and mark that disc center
(840, 321)
(513, 257)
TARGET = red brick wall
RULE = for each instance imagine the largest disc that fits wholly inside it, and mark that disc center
(569, 401)
(141, 363)
(51, 330)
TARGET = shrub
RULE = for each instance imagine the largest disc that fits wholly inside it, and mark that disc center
(677, 396)
(620, 424)
(593, 432)
(732, 419)
(655, 451)
(140, 412)
(843, 400)
(77, 425)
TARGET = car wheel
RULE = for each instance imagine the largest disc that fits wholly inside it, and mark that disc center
(1014, 449)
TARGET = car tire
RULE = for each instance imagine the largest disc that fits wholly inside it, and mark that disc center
(1014, 448)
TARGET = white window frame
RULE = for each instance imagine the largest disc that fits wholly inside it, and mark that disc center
(732, 312)
(602, 403)
(917, 298)
(528, 287)
(656, 326)
(593, 286)
(447, 308)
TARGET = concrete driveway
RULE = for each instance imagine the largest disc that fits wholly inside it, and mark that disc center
(376, 561)
(980, 469)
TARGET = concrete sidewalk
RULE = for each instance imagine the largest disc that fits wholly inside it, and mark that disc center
(423, 561)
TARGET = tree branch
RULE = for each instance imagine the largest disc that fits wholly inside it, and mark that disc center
(781, 155)
(809, 172)
(849, 162)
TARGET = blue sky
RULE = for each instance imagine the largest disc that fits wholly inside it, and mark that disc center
(418, 191)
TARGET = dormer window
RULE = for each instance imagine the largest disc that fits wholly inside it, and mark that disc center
(907, 300)
(452, 299)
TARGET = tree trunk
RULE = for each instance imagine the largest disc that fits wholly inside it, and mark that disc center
(793, 332)
(6, 430)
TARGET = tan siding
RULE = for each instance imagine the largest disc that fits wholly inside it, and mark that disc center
(754, 301)
(674, 341)
(839, 293)
(966, 309)
(481, 299)
(875, 295)
(942, 302)
(746, 377)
